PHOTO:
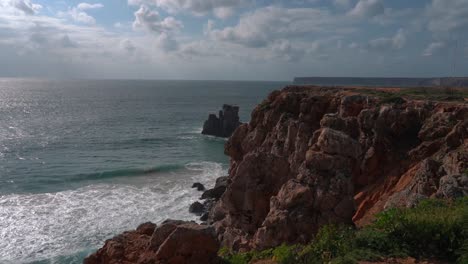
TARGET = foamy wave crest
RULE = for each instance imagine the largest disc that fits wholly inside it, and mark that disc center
(52, 226)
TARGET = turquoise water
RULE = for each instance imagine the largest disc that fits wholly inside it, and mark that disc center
(81, 161)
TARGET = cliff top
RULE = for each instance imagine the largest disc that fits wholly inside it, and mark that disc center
(391, 94)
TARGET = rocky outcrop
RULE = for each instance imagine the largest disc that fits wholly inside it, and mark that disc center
(225, 124)
(313, 156)
(209, 197)
(173, 242)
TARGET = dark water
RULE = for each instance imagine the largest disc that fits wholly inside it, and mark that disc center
(83, 160)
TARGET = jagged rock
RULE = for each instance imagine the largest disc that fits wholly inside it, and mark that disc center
(172, 242)
(197, 208)
(312, 156)
(217, 191)
(146, 228)
(204, 217)
(199, 186)
(225, 124)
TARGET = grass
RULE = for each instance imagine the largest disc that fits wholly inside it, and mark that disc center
(421, 93)
(433, 229)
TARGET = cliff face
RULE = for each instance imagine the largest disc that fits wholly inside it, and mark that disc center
(312, 156)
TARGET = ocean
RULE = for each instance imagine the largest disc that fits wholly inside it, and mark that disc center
(82, 160)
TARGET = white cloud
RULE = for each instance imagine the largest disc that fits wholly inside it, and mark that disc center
(78, 13)
(224, 12)
(433, 48)
(367, 9)
(66, 42)
(85, 6)
(167, 43)
(396, 42)
(446, 16)
(285, 50)
(23, 6)
(151, 21)
(266, 25)
(221, 8)
(128, 46)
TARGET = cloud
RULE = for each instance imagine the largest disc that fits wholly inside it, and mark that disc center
(128, 46)
(167, 43)
(342, 3)
(367, 9)
(268, 24)
(220, 8)
(433, 48)
(24, 6)
(151, 21)
(78, 13)
(285, 50)
(396, 42)
(66, 42)
(447, 16)
(85, 6)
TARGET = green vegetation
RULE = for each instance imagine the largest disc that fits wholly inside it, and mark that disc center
(420, 93)
(433, 229)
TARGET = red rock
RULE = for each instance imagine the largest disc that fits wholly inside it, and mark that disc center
(174, 242)
(312, 156)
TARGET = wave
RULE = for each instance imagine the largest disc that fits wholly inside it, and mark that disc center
(127, 172)
(63, 227)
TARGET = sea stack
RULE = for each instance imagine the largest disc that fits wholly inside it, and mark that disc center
(225, 124)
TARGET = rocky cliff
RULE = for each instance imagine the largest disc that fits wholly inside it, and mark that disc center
(312, 156)
(224, 124)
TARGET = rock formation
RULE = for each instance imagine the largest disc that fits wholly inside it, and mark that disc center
(312, 156)
(174, 242)
(225, 124)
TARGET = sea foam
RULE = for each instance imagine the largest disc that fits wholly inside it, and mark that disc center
(65, 226)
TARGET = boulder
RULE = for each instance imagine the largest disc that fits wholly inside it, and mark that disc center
(173, 242)
(197, 208)
(225, 124)
(218, 190)
(189, 243)
(199, 186)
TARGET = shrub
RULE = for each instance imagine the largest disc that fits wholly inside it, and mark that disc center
(330, 242)
(393, 100)
(434, 228)
(285, 254)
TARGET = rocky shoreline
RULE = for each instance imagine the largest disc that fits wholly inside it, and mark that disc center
(312, 156)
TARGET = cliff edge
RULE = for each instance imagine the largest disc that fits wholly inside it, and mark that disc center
(312, 156)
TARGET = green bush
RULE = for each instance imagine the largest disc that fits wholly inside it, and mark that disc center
(285, 254)
(330, 242)
(434, 228)
(397, 100)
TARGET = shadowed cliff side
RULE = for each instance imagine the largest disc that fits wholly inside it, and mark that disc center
(312, 156)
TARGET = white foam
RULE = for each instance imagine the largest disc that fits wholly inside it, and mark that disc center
(44, 226)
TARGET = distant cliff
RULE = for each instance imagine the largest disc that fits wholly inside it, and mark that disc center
(383, 82)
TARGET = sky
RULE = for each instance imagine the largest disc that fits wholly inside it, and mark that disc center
(233, 39)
